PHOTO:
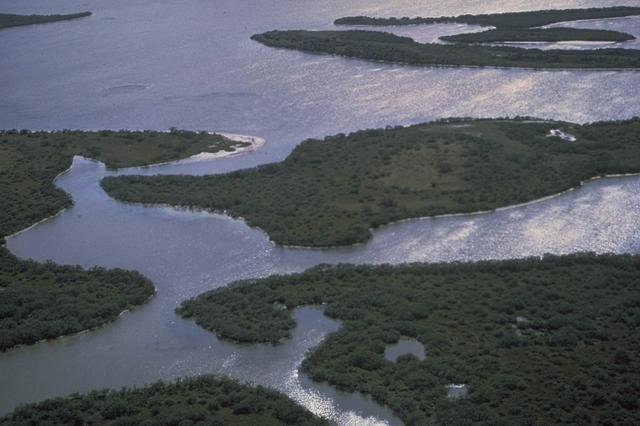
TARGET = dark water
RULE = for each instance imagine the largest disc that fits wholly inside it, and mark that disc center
(144, 64)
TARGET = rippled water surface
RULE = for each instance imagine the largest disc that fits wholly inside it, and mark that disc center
(157, 64)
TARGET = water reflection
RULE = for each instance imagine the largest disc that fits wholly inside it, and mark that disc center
(186, 253)
(140, 64)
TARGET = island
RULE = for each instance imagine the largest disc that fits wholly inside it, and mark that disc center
(332, 192)
(205, 400)
(386, 47)
(9, 20)
(550, 340)
(517, 26)
(507, 27)
(44, 300)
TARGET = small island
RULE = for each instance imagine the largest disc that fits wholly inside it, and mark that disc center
(206, 400)
(332, 192)
(9, 20)
(466, 50)
(530, 341)
(43, 300)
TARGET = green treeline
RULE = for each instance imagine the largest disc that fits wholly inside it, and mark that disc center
(44, 300)
(332, 191)
(387, 47)
(537, 341)
(206, 400)
(9, 20)
(513, 27)
(529, 19)
(539, 35)
(516, 26)
(29, 161)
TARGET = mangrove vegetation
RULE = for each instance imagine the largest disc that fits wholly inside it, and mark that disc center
(536, 341)
(44, 300)
(205, 400)
(9, 20)
(529, 19)
(332, 191)
(386, 47)
(29, 162)
(507, 27)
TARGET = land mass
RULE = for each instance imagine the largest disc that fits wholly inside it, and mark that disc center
(386, 47)
(333, 191)
(29, 162)
(508, 27)
(9, 20)
(517, 26)
(206, 400)
(536, 341)
(536, 18)
(44, 300)
(536, 35)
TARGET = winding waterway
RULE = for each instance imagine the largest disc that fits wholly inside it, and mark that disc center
(157, 64)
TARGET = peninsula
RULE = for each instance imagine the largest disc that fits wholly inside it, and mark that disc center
(333, 191)
(466, 51)
(517, 26)
(9, 20)
(386, 47)
(535, 341)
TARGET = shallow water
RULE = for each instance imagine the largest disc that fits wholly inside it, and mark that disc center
(143, 64)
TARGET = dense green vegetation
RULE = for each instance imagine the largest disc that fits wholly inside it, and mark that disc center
(539, 35)
(330, 192)
(537, 341)
(29, 161)
(536, 18)
(514, 27)
(8, 20)
(44, 300)
(203, 400)
(517, 26)
(387, 47)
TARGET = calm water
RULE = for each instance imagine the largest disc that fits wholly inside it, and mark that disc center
(144, 64)
(405, 347)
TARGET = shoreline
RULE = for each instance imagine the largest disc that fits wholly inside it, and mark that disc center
(479, 67)
(475, 213)
(224, 212)
(67, 170)
(86, 330)
(254, 142)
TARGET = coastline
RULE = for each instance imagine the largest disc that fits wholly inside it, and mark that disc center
(255, 143)
(226, 213)
(67, 170)
(86, 330)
